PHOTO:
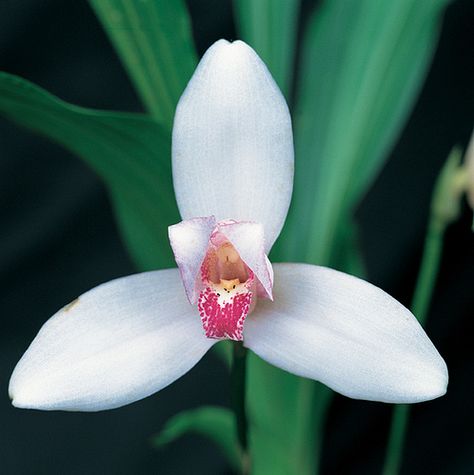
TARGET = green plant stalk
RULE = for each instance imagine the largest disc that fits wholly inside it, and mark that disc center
(317, 399)
(420, 305)
(238, 393)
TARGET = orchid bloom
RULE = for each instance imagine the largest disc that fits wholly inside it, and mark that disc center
(232, 170)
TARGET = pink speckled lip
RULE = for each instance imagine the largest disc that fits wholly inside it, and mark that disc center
(223, 316)
(228, 290)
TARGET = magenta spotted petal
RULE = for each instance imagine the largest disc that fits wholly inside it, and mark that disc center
(224, 308)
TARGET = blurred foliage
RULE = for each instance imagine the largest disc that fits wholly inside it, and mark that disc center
(362, 65)
(361, 68)
(216, 423)
(271, 28)
(445, 208)
(130, 152)
(449, 190)
(154, 41)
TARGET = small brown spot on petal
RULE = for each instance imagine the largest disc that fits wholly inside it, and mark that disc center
(69, 306)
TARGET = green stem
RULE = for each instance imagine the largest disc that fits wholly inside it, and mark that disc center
(238, 391)
(428, 270)
(393, 457)
(420, 305)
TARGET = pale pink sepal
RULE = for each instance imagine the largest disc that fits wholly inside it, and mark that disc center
(249, 241)
(189, 240)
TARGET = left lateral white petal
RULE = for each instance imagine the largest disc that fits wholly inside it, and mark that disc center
(118, 343)
(346, 333)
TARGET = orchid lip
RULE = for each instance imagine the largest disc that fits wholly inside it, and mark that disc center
(229, 293)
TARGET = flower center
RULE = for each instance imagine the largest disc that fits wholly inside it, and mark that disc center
(229, 292)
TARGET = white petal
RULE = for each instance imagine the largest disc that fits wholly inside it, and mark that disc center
(189, 240)
(248, 240)
(118, 343)
(232, 142)
(346, 333)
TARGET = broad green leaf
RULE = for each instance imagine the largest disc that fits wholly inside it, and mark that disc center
(362, 65)
(445, 208)
(270, 27)
(129, 151)
(154, 41)
(284, 420)
(224, 350)
(282, 434)
(216, 423)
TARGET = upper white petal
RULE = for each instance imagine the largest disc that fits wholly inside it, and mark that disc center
(190, 240)
(346, 333)
(118, 343)
(232, 141)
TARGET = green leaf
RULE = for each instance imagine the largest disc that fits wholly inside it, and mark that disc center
(154, 41)
(223, 350)
(216, 423)
(129, 151)
(285, 413)
(285, 443)
(362, 66)
(270, 27)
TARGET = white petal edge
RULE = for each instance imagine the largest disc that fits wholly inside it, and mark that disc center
(189, 240)
(346, 333)
(232, 142)
(248, 240)
(118, 343)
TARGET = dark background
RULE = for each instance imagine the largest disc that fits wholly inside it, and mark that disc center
(58, 239)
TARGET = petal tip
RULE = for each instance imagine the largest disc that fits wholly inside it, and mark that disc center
(18, 403)
(232, 54)
(431, 384)
(12, 397)
(12, 386)
(19, 399)
(234, 45)
(19, 395)
(440, 381)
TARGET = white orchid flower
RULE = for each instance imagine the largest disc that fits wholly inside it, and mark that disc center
(233, 174)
